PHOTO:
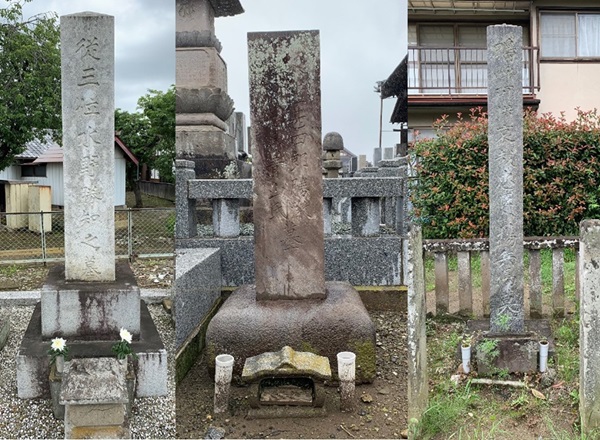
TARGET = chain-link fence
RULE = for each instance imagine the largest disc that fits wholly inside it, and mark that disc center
(39, 237)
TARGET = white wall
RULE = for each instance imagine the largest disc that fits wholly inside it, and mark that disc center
(54, 179)
(10, 173)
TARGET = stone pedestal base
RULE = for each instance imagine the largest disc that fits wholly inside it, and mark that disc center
(245, 327)
(90, 310)
(33, 361)
(513, 353)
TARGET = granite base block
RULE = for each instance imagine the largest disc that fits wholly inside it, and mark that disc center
(90, 310)
(33, 362)
(197, 288)
(245, 327)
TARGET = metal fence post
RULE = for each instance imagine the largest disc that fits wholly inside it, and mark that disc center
(129, 235)
(43, 236)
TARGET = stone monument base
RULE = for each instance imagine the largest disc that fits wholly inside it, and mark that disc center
(90, 310)
(245, 327)
(33, 361)
(514, 353)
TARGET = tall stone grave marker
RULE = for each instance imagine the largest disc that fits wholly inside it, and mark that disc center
(505, 137)
(288, 217)
(288, 189)
(87, 60)
(90, 298)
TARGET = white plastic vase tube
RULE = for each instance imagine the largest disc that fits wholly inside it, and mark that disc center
(347, 372)
(543, 356)
(466, 358)
(223, 373)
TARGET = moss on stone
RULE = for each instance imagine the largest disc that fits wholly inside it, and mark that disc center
(187, 356)
(308, 347)
(365, 360)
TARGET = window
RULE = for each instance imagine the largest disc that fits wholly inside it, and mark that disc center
(570, 34)
(33, 170)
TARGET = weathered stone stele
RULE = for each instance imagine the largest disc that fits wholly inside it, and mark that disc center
(87, 62)
(589, 313)
(505, 137)
(285, 113)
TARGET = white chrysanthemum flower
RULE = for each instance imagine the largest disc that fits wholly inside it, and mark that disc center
(58, 344)
(125, 335)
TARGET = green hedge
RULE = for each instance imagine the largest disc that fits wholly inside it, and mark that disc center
(561, 174)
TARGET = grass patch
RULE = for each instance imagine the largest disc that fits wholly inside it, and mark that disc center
(447, 409)
(467, 411)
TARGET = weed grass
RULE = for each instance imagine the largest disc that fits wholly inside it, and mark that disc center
(465, 411)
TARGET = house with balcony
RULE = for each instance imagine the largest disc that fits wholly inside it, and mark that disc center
(447, 59)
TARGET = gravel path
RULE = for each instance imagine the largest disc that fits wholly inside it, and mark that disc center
(152, 417)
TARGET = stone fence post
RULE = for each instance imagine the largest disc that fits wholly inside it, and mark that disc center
(589, 330)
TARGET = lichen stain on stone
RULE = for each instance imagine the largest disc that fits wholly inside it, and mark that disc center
(284, 83)
(365, 358)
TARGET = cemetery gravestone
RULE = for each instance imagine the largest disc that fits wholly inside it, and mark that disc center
(89, 299)
(288, 212)
(87, 61)
(288, 204)
(505, 134)
(516, 344)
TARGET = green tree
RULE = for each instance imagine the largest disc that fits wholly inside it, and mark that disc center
(150, 135)
(29, 77)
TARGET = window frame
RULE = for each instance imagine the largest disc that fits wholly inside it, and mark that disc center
(37, 170)
(576, 12)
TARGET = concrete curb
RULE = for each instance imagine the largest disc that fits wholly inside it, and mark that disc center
(31, 297)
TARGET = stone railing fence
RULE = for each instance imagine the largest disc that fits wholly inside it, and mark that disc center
(479, 306)
(366, 256)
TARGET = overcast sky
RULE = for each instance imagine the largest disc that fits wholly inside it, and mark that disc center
(361, 43)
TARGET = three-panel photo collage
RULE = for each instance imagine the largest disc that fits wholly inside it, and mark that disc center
(274, 219)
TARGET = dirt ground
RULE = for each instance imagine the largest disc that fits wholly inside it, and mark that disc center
(380, 408)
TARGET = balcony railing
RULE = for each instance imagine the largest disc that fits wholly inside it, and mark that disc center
(459, 71)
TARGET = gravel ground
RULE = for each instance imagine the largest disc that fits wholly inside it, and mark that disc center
(152, 417)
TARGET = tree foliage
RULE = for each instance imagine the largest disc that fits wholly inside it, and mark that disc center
(561, 176)
(29, 78)
(150, 133)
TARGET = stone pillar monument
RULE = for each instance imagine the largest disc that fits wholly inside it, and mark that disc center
(286, 128)
(589, 338)
(89, 299)
(289, 243)
(87, 61)
(505, 137)
(203, 105)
